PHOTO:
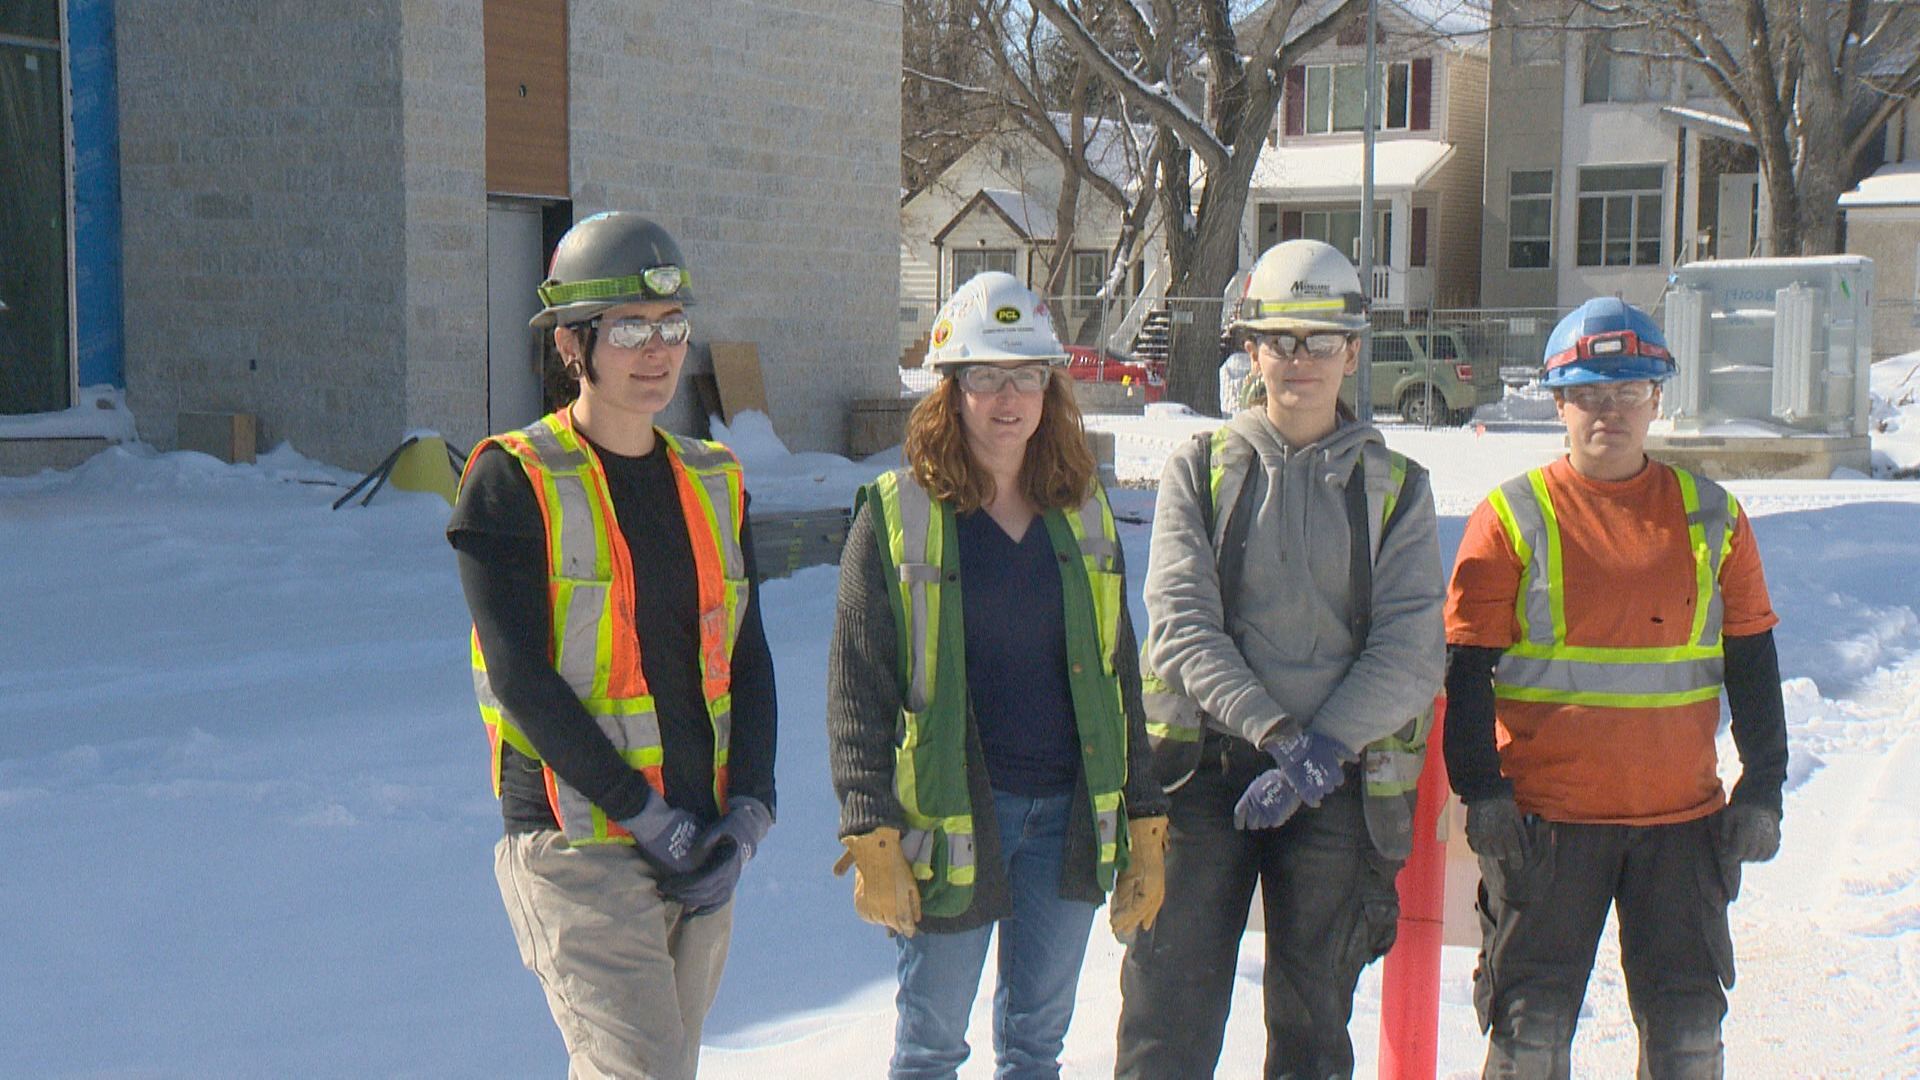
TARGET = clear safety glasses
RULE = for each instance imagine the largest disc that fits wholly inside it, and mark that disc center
(635, 333)
(1624, 395)
(988, 379)
(1319, 346)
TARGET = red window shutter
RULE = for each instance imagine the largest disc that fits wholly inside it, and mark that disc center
(1290, 225)
(1296, 100)
(1417, 249)
(1421, 105)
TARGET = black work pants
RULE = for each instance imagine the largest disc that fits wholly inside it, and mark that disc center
(1541, 919)
(1330, 909)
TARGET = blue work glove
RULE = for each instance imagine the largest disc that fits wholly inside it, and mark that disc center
(733, 840)
(1306, 769)
(1495, 828)
(667, 837)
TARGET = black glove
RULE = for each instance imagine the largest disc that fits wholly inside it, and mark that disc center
(668, 838)
(1495, 829)
(1748, 833)
(733, 840)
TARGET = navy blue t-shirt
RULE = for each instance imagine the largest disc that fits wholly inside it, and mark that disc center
(1017, 657)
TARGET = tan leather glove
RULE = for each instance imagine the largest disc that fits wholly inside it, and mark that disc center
(884, 891)
(1140, 888)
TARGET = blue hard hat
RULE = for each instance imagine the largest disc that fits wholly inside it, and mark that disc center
(1606, 340)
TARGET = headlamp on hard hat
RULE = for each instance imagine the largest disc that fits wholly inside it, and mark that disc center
(1613, 345)
(653, 283)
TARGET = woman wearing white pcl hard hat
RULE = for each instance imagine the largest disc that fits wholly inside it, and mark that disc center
(1295, 648)
(988, 741)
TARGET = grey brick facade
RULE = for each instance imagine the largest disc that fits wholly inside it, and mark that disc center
(305, 202)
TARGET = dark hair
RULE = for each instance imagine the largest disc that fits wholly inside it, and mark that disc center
(1056, 473)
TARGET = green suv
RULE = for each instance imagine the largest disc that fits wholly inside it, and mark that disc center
(1429, 377)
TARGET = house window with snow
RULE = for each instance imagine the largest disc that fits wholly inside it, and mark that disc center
(968, 263)
(1332, 98)
(1530, 219)
(1620, 215)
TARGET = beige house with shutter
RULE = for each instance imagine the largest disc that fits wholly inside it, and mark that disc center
(1428, 154)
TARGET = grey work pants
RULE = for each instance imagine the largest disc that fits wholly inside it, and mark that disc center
(628, 975)
(1541, 920)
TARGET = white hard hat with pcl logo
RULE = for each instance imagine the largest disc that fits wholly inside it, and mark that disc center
(993, 319)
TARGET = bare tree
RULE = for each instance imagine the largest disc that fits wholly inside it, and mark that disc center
(1246, 65)
(1057, 100)
(1814, 81)
(946, 103)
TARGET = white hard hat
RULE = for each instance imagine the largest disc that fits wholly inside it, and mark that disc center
(1302, 285)
(993, 319)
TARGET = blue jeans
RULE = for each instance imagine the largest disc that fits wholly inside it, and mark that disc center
(1041, 947)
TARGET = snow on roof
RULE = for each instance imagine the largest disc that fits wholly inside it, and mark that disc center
(1713, 123)
(1109, 149)
(1890, 185)
(1298, 172)
(1029, 215)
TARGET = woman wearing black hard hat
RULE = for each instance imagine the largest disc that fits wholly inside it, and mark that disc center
(621, 668)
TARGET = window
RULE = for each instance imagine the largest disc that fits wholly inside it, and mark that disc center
(1341, 228)
(1089, 276)
(1392, 349)
(1336, 97)
(1620, 216)
(1530, 219)
(35, 351)
(968, 263)
(1614, 74)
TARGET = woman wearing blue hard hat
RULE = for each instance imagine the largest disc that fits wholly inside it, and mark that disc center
(1600, 607)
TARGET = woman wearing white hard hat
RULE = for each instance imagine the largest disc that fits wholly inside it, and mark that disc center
(988, 740)
(1295, 647)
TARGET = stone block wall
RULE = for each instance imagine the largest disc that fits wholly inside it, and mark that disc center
(305, 203)
(263, 237)
(765, 137)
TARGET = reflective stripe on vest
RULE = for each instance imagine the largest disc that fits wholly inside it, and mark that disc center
(930, 765)
(1543, 667)
(595, 646)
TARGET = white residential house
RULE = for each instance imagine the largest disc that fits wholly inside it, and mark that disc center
(1605, 170)
(996, 208)
(1428, 150)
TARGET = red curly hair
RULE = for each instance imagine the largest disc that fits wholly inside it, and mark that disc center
(1056, 474)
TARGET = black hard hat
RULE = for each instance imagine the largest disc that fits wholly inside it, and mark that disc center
(608, 259)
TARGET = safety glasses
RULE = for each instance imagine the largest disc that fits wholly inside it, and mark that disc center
(1596, 398)
(1319, 346)
(988, 379)
(635, 333)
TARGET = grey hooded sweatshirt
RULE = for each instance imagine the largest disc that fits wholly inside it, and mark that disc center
(1289, 661)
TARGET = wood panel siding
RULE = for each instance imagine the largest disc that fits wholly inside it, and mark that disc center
(526, 58)
(1459, 188)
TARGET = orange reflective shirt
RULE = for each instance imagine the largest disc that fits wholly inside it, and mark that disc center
(1629, 573)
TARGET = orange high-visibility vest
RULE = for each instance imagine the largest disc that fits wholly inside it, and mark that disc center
(595, 646)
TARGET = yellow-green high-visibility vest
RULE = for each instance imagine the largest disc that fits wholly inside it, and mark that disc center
(1543, 667)
(922, 561)
(595, 645)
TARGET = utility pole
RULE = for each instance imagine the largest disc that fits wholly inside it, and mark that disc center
(1363, 381)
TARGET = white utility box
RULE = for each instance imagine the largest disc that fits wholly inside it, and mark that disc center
(1771, 346)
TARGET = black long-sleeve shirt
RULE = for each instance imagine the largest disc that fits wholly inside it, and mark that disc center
(1753, 698)
(500, 536)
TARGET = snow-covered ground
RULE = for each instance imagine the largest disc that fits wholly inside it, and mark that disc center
(249, 831)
